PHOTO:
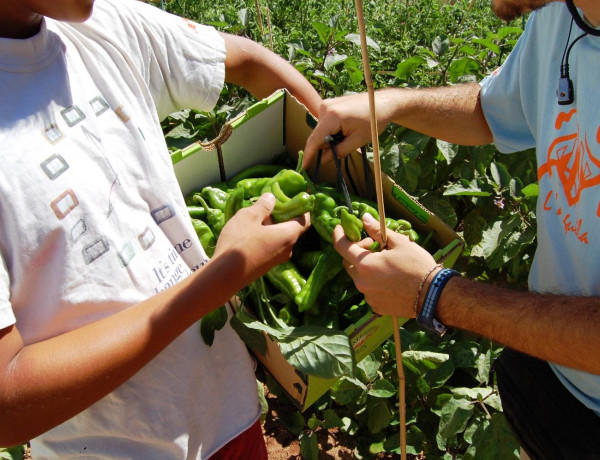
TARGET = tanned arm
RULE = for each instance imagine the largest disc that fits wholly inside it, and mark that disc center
(450, 113)
(46, 383)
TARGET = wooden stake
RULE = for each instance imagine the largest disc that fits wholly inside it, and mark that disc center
(383, 228)
(259, 18)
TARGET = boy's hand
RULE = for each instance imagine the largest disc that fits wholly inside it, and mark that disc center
(256, 243)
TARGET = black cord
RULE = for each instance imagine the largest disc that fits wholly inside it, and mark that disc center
(579, 20)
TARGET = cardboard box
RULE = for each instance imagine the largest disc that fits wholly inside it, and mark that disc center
(279, 124)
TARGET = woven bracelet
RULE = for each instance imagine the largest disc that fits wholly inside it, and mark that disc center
(421, 287)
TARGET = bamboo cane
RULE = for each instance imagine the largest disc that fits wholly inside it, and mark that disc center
(380, 205)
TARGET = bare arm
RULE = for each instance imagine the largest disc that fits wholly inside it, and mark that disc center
(261, 72)
(450, 113)
(556, 328)
(46, 383)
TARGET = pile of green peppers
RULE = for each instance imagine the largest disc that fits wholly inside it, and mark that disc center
(311, 288)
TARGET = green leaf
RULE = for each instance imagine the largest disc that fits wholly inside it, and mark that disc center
(370, 365)
(463, 187)
(453, 420)
(500, 174)
(383, 389)
(309, 447)
(253, 338)
(243, 16)
(313, 422)
(318, 351)
(503, 32)
(440, 45)
(462, 67)
(495, 441)
(332, 420)
(489, 44)
(379, 414)
(355, 38)
(440, 207)
(531, 190)
(323, 31)
(322, 76)
(447, 150)
(405, 69)
(474, 226)
(347, 390)
(212, 322)
(334, 59)
(12, 453)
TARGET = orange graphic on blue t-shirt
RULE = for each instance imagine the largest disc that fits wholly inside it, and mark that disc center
(571, 158)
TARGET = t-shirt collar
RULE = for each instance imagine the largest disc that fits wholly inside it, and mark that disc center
(20, 55)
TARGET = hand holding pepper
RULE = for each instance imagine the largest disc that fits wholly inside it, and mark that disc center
(252, 243)
(390, 278)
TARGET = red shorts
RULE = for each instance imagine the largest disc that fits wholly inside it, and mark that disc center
(250, 445)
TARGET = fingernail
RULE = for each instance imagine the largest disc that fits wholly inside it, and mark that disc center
(269, 197)
(368, 218)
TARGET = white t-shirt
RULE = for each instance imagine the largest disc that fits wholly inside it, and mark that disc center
(92, 221)
(520, 104)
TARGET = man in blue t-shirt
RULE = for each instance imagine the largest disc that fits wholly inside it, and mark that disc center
(549, 374)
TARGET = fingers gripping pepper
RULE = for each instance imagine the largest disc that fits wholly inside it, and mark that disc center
(328, 266)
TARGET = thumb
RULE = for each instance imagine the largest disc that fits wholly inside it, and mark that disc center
(372, 227)
(265, 204)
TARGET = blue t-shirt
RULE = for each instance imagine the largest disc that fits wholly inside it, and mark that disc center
(520, 104)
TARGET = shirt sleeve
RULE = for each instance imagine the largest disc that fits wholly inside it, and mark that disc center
(7, 316)
(502, 102)
(181, 62)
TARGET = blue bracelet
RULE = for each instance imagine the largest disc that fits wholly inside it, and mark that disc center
(426, 316)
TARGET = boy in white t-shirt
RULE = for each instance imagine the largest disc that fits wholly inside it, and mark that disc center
(103, 279)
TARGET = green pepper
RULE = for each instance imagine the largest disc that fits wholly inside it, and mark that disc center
(328, 266)
(288, 316)
(352, 225)
(290, 182)
(308, 259)
(296, 206)
(235, 202)
(205, 235)
(268, 170)
(253, 186)
(412, 235)
(196, 212)
(215, 197)
(322, 216)
(214, 217)
(391, 224)
(286, 278)
(362, 208)
(403, 224)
